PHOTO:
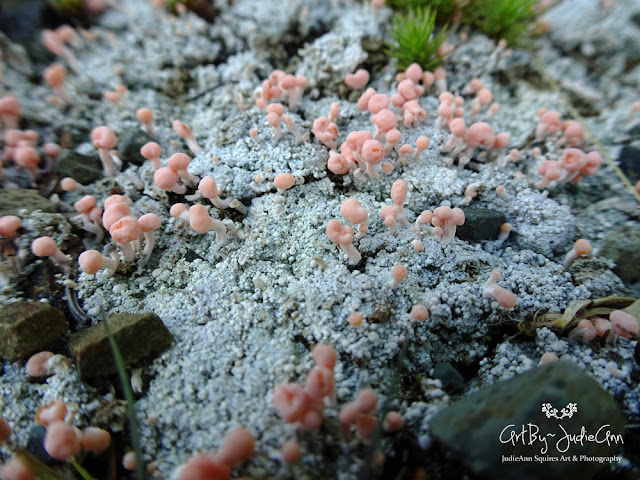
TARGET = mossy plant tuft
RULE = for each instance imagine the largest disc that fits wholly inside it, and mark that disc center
(510, 20)
(413, 25)
(413, 39)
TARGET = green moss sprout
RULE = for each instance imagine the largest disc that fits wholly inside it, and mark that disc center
(413, 24)
(413, 39)
(511, 20)
(67, 7)
(445, 9)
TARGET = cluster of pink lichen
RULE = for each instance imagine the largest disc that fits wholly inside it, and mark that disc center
(365, 155)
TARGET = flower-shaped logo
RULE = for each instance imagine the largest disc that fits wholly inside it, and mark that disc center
(566, 412)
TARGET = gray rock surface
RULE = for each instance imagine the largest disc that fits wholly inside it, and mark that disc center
(551, 411)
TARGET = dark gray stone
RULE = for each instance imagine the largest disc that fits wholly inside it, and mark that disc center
(629, 161)
(452, 380)
(84, 169)
(478, 428)
(130, 146)
(137, 336)
(480, 224)
(14, 199)
(28, 327)
(621, 246)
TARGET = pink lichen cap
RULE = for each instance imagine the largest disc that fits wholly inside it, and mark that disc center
(594, 161)
(179, 162)
(276, 108)
(502, 140)
(363, 101)
(580, 248)
(349, 413)
(149, 222)
(90, 261)
(549, 123)
(414, 73)
(95, 439)
(413, 113)
(343, 236)
(114, 212)
(389, 214)
(125, 230)
(9, 111)
(62, 441)
(289, 401)
(103, 137)
(37, 364)
(548, 357)
(27, 157)
(237, 446)
(17, 468)
(419, 312)
(202, 466)
(447, 218)
(573, 133)
(353, 211)
(624, 324)
(378, 102)
(354, 141)
(151, 151)
(284, 181)
(407, 89)
(9, 225)
(55, 75)
(372, 154)
(584, 332)
(339, 233)
(46, 247)
(504, 297)
(337, 163)
(550, 171)
(384, 121)
(167, 179)
(392, 138)
(399, 191)
(291, 451)
(324, 355)
(484, 96)
(187, 135)
(480, 134)
(325, 131)
(182, 129)
(357, 80)
(573, 160)
(177, 209)
(85, 204)
(199, 218)
(145, 116)
(366, 401)
(422, 143)
(398, 274)
(320, 382)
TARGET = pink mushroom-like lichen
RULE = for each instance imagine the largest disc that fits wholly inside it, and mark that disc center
(343, 237)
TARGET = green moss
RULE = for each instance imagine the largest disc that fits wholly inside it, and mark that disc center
(413, 39)
(67, 7)
(445, 8)
(511, 20)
